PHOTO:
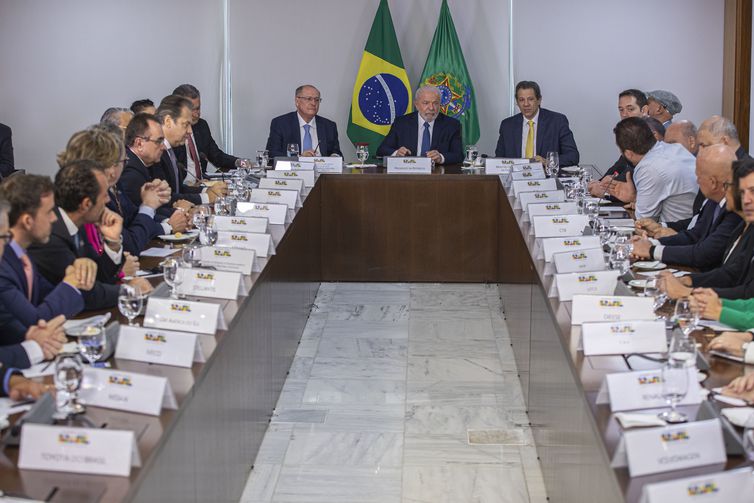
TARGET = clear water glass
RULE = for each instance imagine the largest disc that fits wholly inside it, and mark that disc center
(292, 150)
(92, 342)
(472, 152)
(69, 372)
(362, 154)
(263, 158)
(685, 316)
(682, 349)
(222, 207)
(653, 290)
(200, 215)
(130, 302)
(208, 233)
(675, 385)
(552, 164)
(191, 255)
(171, 269)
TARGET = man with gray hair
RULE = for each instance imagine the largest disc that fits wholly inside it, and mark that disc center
(663, 105)
(117, 116)
(719, 130)
(425, 133)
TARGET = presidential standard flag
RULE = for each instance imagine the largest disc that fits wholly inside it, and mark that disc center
(446, 69)
(382, 91)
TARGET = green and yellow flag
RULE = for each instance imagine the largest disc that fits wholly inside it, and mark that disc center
(446, 69)
(382, 91)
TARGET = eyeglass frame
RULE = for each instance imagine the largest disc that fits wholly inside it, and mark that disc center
(157, 141)
(309, 99)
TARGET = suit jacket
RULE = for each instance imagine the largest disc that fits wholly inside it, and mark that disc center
(138, 228)
(284, 129)
(553, 135)
(446, 137)
(180, 190)
(134, 176)
(730, 279)
(60, 251)
(47, 301)
(207, 150)
(702, 246)
(12, 357)
(6, 151)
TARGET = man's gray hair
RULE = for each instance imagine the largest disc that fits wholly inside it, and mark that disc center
(719, 126)
(427, 89)
(301, 88)
(112, 115)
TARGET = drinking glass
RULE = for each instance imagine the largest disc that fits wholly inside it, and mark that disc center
(199, 217)
(685, 316)
(92, 342)
(592, 210)
(173, 274)
(362, 154)
(191, 255)
(552, 164)
(69, 372)
(675, 385)
(748, 439)
(222, 207)
(472, 152)
(208, 233)
(682, 349)
(292, 150)
(130, 302)
(263, 158)
(653, 290)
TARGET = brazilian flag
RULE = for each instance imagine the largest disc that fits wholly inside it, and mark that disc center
(382, 91)
(446, 69)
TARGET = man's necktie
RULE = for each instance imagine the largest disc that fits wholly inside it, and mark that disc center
(530, 141)
(174, 164)
(307, 138)
(426, 140)
(29, 272)
(194, 156)
(77, 242)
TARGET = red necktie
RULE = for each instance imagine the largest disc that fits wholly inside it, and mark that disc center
(194, 156)
(29, 272)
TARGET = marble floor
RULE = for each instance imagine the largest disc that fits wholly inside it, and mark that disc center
(400, 393)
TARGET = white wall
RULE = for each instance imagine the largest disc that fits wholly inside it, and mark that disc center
(584, 53)
(64, 63)
(271, 56)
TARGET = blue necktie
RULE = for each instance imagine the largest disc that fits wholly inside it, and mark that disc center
(425, 140)
(307, 138)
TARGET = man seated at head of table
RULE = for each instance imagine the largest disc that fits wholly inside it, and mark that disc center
(313, 134)
(535, 131)
(702, 246)
(81, 196)
(734, 279)
(425, 133)
(663, 105)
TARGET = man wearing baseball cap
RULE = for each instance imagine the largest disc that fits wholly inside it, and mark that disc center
(663, 105)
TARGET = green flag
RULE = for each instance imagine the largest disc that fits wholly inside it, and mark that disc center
(382, 91)
(446, 69)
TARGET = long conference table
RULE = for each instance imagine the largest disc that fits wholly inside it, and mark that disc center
(366, 225)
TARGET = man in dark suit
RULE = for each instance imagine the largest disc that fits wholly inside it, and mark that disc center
(6, 151)
(703, 245)
(313, 134)
(536, 131)
(426, 132)
(200, 146)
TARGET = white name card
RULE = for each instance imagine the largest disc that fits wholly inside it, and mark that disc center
(643, 390)
(592, 259)
(550, 196)
(732, 486)
(278, 196)
(166, 347)
(241, 224)
(550, 226)
(282, 183)
(328, 164)
(532, 185)
(409, 165)
(228, 259)
(624, 337)
(551, 246)
(260, 243)
(498, 166)
(176, 314)
(307, 175)
(114, 389)
(527, 166)
(276, 214)
(532, 174)
(303, 163)
(564, 208)
(658, 450)
(95, 451)
(214, 284)
(588, 308)
(595, 283)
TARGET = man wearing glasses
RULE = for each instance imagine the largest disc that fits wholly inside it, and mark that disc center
(313, 134)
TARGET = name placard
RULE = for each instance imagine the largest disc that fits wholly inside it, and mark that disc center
(276, 214)
(282, 183)
(409, 165)
(115, 389)
(550, 226)
(588, 308)
(527, 166)
(732, 486)
(303, 163)
(328, 164)
(596, 283)
(592, 259)
(184, 315)
(624, 337)
(307, 175)
(668, 448)
(643, 390)
(532, 174)
(260, 243)
(551, 246)
(166, 347)
(278, 196)
(550, 196)
(499, 165)
(94, 451)
(532, 185)
(228, 259)
(210, 283)
(241, 224)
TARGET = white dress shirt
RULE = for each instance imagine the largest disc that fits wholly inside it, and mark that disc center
(312, 133)
(525, 134)
(418, 151)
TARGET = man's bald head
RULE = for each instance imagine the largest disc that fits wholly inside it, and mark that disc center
(717, 130)
(684, 133)
(713, 169)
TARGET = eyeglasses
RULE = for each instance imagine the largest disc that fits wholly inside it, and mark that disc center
(310, 99)
(156, 141)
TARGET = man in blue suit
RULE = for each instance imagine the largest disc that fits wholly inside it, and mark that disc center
(426, 132)
(313, 134)
(536, 131)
